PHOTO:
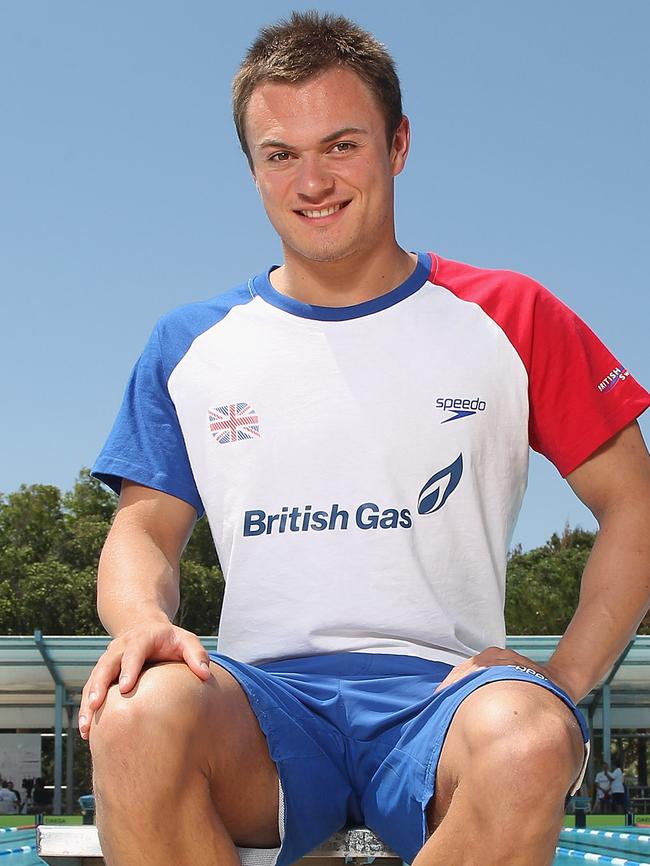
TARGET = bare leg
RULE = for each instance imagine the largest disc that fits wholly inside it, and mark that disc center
(510, 756)
(182, 772)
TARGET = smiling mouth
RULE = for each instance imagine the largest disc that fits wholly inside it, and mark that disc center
(324, 212)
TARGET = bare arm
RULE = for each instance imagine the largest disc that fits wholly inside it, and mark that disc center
(138, 574)
(138, 594)
(615, 591)
(614, 483)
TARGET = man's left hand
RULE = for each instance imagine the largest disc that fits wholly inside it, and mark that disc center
(494, 656)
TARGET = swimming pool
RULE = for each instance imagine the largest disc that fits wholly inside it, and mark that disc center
(18, 846)
(622, 846)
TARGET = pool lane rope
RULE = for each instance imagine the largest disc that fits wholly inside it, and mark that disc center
(597, 858)
(22, 850)
(609, 834)
(17, 829)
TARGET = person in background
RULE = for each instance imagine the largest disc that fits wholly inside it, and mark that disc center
(602, 789)
(8, 802)
(617, 788)
(16, 794)
(41, 797)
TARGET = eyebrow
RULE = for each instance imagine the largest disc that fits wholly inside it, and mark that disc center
(346, 130)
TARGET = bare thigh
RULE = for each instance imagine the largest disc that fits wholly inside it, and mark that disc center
(527, 729)
(244, 782)
(199, 740)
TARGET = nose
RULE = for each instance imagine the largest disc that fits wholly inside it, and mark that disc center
(314, 181)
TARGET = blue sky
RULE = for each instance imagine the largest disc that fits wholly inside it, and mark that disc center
(123, 191)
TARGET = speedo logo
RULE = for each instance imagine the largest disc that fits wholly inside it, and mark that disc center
(530, 671)
(461, 407)
(369, 515)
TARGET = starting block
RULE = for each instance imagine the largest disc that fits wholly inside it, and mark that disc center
(79, 846)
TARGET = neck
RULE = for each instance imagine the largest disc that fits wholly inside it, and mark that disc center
(344, 282)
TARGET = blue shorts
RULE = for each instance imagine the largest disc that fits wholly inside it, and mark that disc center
(356, 739)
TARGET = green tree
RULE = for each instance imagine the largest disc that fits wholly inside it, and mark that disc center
(57, 599)
(200, 548)
(88, 511)
(8, 607)
(543, 584)
(32, 525)
(49, 551)
(90, 498)
(202, 589)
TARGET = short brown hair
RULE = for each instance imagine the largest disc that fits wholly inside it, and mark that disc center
(294, 50)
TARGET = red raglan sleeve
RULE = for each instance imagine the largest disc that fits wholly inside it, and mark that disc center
(579, 393)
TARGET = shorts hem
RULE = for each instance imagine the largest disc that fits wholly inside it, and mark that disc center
(260, 856)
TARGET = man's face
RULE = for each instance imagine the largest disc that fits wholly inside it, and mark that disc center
(322, 165)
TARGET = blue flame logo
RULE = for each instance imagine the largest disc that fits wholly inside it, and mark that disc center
(439, 487)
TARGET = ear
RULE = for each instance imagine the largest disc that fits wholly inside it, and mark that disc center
(401, 144)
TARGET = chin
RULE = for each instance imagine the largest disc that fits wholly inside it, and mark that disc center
(323, 253)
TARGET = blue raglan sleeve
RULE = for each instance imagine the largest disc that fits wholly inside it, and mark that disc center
(146, 444)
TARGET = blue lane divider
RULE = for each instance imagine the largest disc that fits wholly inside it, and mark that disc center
(609, 834)
(22, 850)
(17, 829)
(597, 858)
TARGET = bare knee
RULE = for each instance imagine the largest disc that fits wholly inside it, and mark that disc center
(510, 743)
(520, 727)
(166, 702)
(175, 733)
(193, 724)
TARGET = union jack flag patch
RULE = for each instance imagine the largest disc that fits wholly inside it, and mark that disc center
(233, 423)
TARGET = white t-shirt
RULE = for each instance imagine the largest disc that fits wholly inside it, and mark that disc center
(362, 467)
(602, 784)
(617, 781)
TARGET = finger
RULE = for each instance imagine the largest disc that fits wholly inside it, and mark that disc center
(499, 657)
(82, 719)
(524, 662)
(196, 657)
(103, 675)
(89, 705)
(132, 662)
(459, 673)
(495, 655)
(443, 685)
(472, 670)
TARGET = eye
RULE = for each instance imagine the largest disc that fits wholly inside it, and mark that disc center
(343, 147)
(280, 156)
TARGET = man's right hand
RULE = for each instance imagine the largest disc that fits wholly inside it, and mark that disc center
(138, 595)
(126, 656)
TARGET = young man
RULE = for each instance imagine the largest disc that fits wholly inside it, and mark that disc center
(617, 788)
(356, 425)
(603, 789)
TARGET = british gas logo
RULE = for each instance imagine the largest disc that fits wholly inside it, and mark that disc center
(617, 375)
(439, 487)
(460, 407)
(368, 515)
